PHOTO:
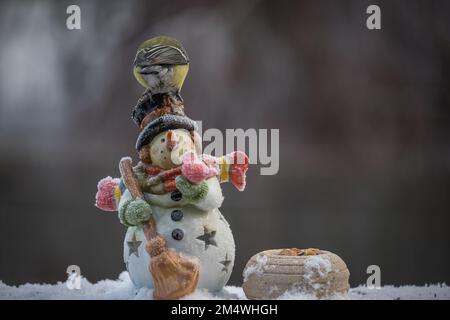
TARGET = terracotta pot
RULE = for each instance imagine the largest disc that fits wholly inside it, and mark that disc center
(318, 273)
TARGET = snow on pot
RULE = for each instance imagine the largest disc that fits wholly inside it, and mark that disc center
(272, 273)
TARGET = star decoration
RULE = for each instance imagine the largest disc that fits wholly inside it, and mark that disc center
(133, 246)
(208, 237)
(225, 263)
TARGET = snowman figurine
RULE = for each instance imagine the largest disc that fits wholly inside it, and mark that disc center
(181, 187)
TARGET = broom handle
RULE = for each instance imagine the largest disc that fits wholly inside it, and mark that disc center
(130, 181)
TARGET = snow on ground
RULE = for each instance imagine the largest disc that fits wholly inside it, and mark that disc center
(123, 289)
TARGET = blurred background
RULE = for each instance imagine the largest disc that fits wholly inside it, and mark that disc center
(363, 118)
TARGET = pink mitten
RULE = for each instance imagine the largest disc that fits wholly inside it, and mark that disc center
(194, 169)
(239, 169)
(105, 198)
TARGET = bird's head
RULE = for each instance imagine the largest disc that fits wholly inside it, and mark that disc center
(161, 65)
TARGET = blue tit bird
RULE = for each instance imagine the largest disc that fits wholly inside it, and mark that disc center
(161, 65)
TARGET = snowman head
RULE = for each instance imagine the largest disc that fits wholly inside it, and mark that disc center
(166, 149)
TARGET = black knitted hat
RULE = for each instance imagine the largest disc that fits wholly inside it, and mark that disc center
(158, 113)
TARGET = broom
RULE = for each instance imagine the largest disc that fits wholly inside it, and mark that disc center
(173, 275)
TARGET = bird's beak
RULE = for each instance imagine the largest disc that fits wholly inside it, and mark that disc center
(146, 70)
(143, 71)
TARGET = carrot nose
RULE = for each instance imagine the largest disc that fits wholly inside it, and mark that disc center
(171, 140)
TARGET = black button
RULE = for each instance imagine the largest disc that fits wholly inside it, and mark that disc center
(176, 196)
(177, 234)
(176, 215)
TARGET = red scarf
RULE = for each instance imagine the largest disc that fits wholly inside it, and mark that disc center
(169, 179)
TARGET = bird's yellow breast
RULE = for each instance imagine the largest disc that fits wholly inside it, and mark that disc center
(179, 74)
(139, 77)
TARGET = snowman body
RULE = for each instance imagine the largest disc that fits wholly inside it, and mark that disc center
(196, 230)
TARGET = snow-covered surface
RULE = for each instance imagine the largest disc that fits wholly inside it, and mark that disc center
(124, 289)
(317, 264)
(257, 268)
